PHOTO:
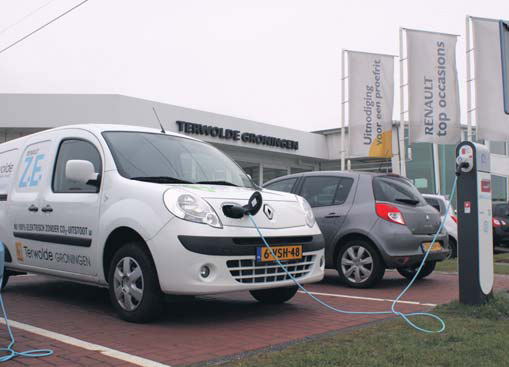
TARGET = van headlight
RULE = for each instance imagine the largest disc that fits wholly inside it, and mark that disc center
(308, 212)
(190, 207)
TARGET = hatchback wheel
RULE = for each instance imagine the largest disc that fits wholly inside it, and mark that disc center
(409, 272)
(359, 264)
(133, 285)
(453, 249)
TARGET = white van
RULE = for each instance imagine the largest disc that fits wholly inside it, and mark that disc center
(142, 212)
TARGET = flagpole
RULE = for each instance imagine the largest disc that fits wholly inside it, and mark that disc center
(402, 148)
(469, 79)
(343, 102)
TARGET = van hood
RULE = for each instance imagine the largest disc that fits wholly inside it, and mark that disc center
(235, 193)
(279, 209)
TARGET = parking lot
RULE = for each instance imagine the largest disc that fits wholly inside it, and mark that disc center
(79, 324)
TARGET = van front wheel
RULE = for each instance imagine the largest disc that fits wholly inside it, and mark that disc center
(133, 285)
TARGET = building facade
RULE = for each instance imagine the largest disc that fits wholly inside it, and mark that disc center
(264, 151)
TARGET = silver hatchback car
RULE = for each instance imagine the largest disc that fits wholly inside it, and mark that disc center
(370, 222)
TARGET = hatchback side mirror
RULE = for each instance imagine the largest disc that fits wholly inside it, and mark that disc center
(81, 171)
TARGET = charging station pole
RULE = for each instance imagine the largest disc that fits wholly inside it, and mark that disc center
(475, 231)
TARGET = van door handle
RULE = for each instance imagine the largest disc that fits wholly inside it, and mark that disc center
(332, 215)
(47, 209)
(33, 208)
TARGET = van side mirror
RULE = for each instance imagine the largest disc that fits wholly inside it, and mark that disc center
(81, 171)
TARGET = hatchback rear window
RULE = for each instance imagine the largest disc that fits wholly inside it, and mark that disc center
(395, 189)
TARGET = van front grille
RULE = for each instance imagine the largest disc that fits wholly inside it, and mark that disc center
(249, 271)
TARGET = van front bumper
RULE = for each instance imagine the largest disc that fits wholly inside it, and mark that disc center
(229, 256)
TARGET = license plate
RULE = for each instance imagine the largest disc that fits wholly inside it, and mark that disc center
(282, 252)
(436, 246)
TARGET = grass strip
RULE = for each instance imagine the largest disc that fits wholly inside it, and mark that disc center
(474, 336)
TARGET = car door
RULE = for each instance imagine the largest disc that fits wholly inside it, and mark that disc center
(70, 210)
(327, 196)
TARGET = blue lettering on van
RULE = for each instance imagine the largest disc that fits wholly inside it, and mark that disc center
(36, 171)
(36, 175)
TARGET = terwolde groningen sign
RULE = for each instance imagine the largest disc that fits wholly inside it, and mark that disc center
(236, 135)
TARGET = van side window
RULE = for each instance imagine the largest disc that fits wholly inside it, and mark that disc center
(283, 185)
(72, 149)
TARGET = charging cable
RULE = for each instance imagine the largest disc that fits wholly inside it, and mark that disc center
(10, 352)
(404, 316)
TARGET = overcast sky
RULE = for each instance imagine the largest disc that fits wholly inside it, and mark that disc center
(274, 61)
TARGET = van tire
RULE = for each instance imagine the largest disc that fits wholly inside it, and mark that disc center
(274, 295)
(131, 304)
(426, 270)
(368, 252)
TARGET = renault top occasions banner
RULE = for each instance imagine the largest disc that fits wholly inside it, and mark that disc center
(433, 91)
(492, 121)
(371, 98)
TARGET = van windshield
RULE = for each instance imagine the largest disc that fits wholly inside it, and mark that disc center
(171, 159)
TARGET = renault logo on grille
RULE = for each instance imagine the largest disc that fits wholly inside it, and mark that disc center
(427, 217)
(269, 212)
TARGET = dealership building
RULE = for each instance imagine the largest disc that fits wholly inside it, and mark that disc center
(263, 150)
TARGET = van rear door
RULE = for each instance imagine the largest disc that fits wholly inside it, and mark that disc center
(32, 174)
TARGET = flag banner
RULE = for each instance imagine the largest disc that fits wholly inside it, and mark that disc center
(433, 89)
(370, 104)
(491, 119)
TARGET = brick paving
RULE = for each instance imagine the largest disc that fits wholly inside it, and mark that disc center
(195, 330)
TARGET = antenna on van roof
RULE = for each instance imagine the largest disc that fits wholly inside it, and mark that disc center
(157, 117)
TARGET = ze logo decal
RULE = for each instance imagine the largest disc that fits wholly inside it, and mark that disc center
(31, 179)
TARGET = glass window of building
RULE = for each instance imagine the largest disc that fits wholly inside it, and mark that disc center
(252, 169)
(272, 173)
(499, 187)
(447, 164)
(421, 170)
(498, 147)
(299, 170)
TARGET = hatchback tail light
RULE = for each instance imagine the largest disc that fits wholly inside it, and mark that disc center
(496, 222)
(389, 213)
(453, 217)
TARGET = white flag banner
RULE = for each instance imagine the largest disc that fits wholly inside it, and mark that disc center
(370, 104)
(433, 90)
(492, 122)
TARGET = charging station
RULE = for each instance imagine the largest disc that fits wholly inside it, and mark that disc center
(475, 231)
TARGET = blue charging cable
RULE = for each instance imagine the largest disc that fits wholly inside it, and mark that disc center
(404, 316)
(10, 352)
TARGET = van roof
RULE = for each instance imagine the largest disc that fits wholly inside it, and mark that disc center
(100, 128)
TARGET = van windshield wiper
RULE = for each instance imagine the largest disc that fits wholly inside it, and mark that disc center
(160, 179)
(226, 183)
(407, 201)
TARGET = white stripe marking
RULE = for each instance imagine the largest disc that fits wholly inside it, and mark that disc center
(86, 345)
(369, 298)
